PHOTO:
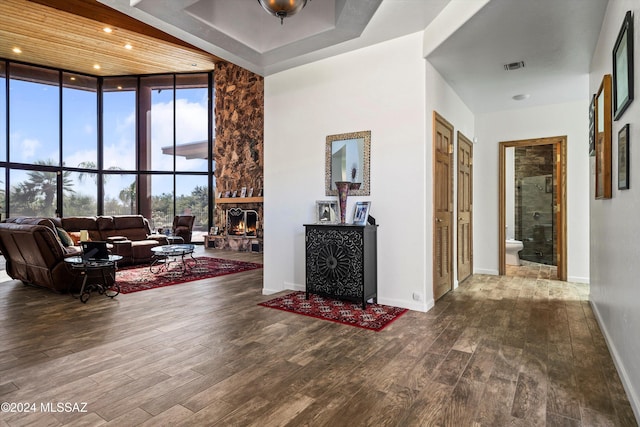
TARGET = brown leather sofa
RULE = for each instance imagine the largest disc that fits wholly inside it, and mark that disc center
(35, 255)
(127, 235)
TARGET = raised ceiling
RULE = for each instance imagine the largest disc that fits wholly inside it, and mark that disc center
(240, 31)
(554, 38)
(55, 37)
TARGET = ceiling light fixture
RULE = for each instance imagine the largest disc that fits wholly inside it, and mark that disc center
(107, 30)
(16, 50)
(97, 66)
(520, 97)
(282, 8)
(128, 46)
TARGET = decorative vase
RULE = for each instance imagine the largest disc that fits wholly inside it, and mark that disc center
(343, 192)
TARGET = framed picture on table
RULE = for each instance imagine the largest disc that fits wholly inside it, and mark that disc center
(326, 211)
(361, 213)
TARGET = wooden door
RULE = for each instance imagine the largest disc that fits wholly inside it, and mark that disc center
(442, 206)
(465, 208)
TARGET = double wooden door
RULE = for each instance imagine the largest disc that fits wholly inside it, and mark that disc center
(443, 207)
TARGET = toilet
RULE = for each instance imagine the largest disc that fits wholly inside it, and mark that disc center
(512, 247)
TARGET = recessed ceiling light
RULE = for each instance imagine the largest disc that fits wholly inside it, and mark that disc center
(96, 66)
(119, 87)
(72, 78)
(128, 46)
(194, 65)
(17, 50)
(520, 96)
(107, 29)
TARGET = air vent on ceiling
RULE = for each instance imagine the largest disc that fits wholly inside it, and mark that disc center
(514, 66)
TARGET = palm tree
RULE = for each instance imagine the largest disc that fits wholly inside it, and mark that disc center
(94, 175)
(45, 183)
(128, 195)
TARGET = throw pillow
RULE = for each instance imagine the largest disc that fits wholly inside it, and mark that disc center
(75, 237)
(64, 237)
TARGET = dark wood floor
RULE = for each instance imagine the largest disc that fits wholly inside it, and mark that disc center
(497, 351)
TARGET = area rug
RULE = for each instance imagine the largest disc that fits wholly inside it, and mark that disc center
(375, 317)
(136, 278)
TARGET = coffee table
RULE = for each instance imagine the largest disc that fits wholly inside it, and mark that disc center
(172, 259)
(97, 275)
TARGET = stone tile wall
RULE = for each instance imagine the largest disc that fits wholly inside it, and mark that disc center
(535, 221)
(239, 141)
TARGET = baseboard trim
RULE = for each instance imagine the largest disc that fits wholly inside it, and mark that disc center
(411, 305)
(577, 279)
(485, 271)
(624, 378)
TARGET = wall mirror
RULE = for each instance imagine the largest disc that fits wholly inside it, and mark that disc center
(347, 159)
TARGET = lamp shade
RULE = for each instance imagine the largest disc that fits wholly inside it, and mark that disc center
(283, 8)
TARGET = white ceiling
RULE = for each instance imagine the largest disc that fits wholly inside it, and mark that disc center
(555, 39)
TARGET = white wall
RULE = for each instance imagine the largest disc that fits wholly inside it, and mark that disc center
(380, 88)
(569, 119)
(615, 229)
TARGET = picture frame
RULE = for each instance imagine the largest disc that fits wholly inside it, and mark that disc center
(623, 67)
(250, 192)
(235, 193)
(361, 213)
(227, 194)
(603, 139)
(623, 158)
(243, 192)
(327, 212)
(592, 126)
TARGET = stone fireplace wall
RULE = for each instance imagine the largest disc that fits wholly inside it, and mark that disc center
(239, 144)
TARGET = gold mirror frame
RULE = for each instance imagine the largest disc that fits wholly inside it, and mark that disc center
(362, 167)
(603, 139)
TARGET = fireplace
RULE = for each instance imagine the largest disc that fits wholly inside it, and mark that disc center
(242, 223)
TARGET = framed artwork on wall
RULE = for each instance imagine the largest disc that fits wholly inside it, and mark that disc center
(592, 127)
(623, 158)
(603, 139)
(623, 67)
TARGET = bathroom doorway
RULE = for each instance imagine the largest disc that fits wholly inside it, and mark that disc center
(532, 220)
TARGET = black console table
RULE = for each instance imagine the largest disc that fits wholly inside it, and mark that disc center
(341, 261)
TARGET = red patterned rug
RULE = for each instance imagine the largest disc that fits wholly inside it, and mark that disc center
(376, 317)
(136, 278)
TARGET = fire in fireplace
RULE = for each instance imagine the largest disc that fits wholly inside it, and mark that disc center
(242, 222)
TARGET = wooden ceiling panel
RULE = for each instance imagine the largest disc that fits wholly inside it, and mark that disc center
(56, 38)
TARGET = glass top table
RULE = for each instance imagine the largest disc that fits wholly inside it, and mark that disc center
(172, 259)
(98, 275)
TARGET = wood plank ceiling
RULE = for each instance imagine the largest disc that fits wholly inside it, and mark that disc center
(69, 34)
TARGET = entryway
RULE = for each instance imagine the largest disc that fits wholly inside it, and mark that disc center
(532, 221)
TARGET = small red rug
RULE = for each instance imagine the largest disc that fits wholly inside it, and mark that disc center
(137, 278)
(376, 317)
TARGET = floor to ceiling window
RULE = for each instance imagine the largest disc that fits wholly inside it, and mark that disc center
(80, 144)
(76, 145)
(34, 140)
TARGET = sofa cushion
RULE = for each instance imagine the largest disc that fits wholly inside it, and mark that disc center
(131, 226)
(77, 223)
(64, 237)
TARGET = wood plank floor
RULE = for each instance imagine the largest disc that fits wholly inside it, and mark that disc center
(496, 351)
